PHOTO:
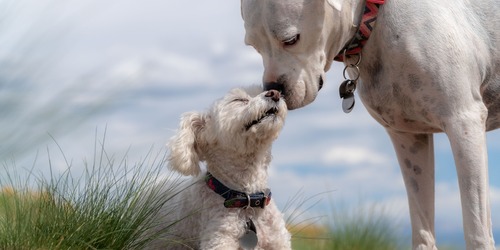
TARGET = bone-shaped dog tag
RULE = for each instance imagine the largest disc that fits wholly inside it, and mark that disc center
(249, 240)
(346, 92)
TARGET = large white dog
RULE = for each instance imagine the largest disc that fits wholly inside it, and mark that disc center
(429, 66)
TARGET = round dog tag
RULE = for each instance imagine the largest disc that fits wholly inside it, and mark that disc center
(348, 103)
(249, 240)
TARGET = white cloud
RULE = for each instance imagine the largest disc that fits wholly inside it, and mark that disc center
(353, 155)
(319, 195)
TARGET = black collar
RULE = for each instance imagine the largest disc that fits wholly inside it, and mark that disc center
(237, 199)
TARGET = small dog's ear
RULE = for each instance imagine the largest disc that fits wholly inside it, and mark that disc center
(337, 4)
(184, 156)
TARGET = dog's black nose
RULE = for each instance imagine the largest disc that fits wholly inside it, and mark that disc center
(273, 86)
(274, 95)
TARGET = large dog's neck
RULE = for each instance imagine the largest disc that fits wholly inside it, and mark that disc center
(342, 27)
(245, 173)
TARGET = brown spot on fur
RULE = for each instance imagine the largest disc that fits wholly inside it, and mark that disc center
(415, 82)
(407, 163)
(420, 143)
(414, 185)
(417, 170)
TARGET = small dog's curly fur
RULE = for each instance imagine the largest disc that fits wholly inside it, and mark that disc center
(234, 139)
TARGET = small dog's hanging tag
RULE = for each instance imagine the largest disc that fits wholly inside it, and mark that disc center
(346, 92)
(249, 240)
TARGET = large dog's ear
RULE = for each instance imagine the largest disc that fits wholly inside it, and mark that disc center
(337, 4)
(184, 156)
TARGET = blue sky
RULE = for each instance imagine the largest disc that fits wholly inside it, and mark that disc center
(133, 67)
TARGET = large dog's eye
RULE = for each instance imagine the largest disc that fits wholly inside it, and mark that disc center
(291, 41)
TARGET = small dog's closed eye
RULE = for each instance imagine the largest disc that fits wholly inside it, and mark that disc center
(234, 139)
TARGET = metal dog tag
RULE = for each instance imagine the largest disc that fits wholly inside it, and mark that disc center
(249, 240)
(346, 92)
(348, 103)
(346, 88)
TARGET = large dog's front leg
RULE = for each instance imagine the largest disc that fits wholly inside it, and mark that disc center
(468, 141)
(415, 154)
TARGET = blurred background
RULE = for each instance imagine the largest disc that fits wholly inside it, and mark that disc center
(73, 72)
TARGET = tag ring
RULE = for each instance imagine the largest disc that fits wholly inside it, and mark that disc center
(248, 201)
(358, 54)
(356, 70)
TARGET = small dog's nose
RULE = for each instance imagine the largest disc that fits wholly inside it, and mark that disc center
(274, 95)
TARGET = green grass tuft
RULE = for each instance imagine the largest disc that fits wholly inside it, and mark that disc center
(109, 207)
(365, 228)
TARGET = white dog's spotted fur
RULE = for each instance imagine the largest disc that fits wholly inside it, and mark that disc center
(429, 66)
(234, 139)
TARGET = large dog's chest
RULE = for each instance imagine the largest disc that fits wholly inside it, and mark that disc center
(395, 107)
(416, 76)
(418, 103)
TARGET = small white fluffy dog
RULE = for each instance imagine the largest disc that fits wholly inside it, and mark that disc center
(234, 139)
